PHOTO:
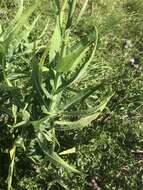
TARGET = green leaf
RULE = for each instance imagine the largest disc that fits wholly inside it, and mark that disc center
(52, 183)
(62, 185)
(29, 28)
(82, 11)
(68, 151)
(54, 158)
(62, 13)
(37, 82)
(14, 112)
(80, 96)
(1, 29)
(85, 121)
(19, 21)
(78, 113)
(83, 69)
(11, 167)
(19, 12)
(70, 61)
(72, 7)
(55, 42)
(80, 73)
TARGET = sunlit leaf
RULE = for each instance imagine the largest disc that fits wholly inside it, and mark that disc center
(55, 43)
(68, 151)
(58, 161)
(85, 121)
(70, 61)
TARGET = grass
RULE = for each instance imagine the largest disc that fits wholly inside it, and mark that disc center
(71, 100)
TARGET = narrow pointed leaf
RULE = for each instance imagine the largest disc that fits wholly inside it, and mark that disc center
(55, 159)
(11, 167)
(70, 61)
(80, 97)
(55, 42)
(69, 151)
(82, 11)
(85, 121)
(19, 12)
(80, 73)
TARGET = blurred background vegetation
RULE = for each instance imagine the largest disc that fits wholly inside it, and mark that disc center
(110, 151)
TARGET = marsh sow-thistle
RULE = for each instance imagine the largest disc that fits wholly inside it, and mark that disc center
(42, 93)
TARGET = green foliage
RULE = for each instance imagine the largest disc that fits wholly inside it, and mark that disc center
(33, 104)
(80, 70)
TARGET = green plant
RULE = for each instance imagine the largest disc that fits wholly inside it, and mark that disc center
(41, 89)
